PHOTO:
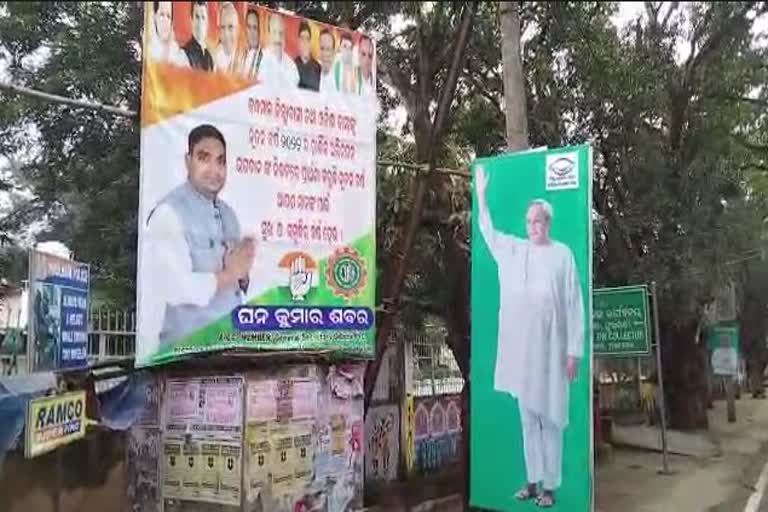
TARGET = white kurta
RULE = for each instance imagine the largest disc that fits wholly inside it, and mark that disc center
(279, 69)
(168, 262)
(169, 53)
(223, 61)
(541, 321)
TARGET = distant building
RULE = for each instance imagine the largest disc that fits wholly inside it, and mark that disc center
(55, 248)
(13, 307)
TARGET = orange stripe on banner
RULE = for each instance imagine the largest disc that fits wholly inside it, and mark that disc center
(170, 90)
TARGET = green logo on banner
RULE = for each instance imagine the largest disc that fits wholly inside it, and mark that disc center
(346, 274)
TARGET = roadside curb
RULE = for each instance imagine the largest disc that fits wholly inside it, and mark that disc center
(437, 504)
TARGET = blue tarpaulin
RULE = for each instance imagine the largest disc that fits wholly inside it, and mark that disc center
(15, 392)
(120, 407)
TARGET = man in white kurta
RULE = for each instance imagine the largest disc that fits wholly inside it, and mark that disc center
(277, 66)
(540, 337)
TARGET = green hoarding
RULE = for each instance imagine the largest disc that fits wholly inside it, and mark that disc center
(721, 334)
(621, 321)
(531, 353)
(723, 341)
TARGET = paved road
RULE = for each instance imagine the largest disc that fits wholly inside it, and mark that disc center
(749, 487)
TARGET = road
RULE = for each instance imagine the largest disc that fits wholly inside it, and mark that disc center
(722, 479)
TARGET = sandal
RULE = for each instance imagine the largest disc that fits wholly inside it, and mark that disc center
(528, 492)
(545, 500)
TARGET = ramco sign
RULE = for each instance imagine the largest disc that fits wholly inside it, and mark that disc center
(54, 421)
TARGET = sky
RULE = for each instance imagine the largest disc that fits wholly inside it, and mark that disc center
(627, 13)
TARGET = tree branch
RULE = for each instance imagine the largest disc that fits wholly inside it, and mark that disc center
(761, 168)
(672, 8)
(457, 65)
(443, 57)
(760, 148)
(714, 42)
(483, 90)
(396, 79)
(740, 99)
(17, 89)
(652, 10)
(361, 16)
(423, 79)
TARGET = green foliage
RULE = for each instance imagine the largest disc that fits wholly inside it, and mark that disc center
(81, 165)
(13, 264)
(673, 106)
(671, 188)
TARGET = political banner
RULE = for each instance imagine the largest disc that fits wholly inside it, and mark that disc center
(531, 352)
(621, 321)
(257, 191)
(58, 313)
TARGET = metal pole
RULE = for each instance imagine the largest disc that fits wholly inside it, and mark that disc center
(31, 330)
(432, 366)
(59, 478)
(639, 382)
(660, 374)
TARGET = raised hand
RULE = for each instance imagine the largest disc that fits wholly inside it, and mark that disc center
(300, 279)
(481, 181)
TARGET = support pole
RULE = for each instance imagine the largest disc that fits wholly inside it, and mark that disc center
(59, 478)
(660, 373)
(639, 380)
(730, 397)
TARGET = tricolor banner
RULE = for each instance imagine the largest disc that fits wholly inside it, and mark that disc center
(257, 203)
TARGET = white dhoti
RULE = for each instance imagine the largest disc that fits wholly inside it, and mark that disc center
(543, 449)
(541, 326)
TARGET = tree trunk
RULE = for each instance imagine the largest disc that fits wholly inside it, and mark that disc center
(730, 398)
(708, 375)
(402, 254)
(755, 377)
(684, 366)
(428, 136)
(514, 80)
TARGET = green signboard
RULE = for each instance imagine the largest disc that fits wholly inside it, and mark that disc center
(722, 335)
(621, 321)
(723, 341)
(531, 361)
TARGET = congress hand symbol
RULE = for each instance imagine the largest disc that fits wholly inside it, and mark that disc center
(300, 280)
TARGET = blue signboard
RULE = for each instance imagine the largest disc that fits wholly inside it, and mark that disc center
(58, 313)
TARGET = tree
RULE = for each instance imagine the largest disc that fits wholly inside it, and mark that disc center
(81, 165)
(681, 145)
(514, 80)
(672, 165)
(426, 81)
(84, 173)
(13, 264)
(669, 172)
